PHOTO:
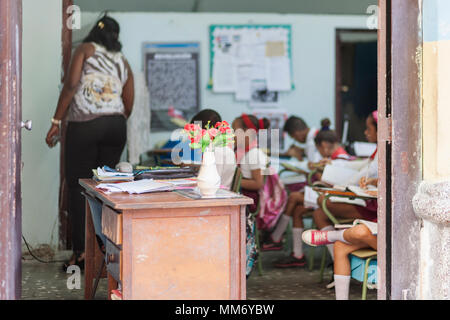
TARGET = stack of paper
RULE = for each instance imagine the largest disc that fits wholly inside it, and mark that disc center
(141, 186)
(103, 175)
(310, 199)
(364, 149)
(337, 175)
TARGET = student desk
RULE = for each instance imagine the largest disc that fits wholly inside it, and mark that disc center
(167, 246)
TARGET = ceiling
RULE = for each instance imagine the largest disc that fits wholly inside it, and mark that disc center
(254, 6)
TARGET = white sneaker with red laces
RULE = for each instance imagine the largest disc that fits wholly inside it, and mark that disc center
(315, 238)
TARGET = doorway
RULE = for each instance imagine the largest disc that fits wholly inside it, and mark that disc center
(398, 97)
(356, 82)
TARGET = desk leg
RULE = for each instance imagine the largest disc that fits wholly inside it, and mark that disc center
(89, 260)
(112, 285)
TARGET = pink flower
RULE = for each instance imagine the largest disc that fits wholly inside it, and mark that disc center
(213, 132)
(222, 129)
(229, 131)
(203, 132)
(196, 138)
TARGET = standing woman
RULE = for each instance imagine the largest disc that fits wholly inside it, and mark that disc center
(97, 98)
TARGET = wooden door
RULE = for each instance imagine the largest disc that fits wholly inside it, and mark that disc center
(399, 147)
(10, 148)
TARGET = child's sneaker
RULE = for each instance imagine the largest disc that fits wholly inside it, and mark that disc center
(291, 262)
(272, 245)
(315, 238)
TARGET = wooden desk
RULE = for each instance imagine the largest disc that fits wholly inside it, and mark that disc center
(166, 246)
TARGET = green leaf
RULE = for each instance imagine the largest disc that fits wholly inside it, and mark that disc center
(195, 145)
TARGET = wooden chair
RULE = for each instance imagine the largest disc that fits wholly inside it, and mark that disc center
(366, 255)
(236, 182)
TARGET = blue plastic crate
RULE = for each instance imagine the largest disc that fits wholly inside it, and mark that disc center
(357, 266)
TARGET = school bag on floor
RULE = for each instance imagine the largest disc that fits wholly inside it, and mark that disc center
(272, 201)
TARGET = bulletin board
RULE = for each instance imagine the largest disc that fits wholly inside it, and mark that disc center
(172, 77)
(252, 61)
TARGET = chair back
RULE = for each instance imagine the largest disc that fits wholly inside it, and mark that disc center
(237, 178)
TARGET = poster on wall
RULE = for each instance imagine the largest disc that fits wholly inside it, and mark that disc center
(172, 75)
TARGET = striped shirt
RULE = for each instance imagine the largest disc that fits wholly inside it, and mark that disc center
(99, 91)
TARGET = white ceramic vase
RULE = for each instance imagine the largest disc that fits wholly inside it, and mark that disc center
(208, 179)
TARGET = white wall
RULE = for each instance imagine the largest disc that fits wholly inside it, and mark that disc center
(313, 49)
(41, 65)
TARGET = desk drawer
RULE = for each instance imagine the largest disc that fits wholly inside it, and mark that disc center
(112, 225)
(114, 260)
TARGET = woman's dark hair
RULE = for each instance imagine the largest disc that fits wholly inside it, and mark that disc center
(327, 136)
(255, 122)
(106, 33)
(294, 124)
(325, 124)
(207, 115)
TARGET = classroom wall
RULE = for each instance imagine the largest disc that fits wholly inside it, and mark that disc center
(41, 72)
(279, 6)
(313, 49)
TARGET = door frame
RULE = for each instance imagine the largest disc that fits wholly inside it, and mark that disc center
(10, 149)
(65, 241)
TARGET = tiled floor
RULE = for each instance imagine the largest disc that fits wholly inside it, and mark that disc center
(48, 281)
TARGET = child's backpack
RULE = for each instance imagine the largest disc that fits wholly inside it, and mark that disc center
(272, 200)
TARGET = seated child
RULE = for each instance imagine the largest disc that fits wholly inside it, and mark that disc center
(355, 238)
(300, 132)
(259, 182)
(327, 144)
(363, 235)
(368, 172)
(252, 160)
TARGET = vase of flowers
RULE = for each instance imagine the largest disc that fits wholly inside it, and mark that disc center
(208, 179)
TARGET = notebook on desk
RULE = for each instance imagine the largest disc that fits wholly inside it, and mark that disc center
(136, 187)
(166, 173)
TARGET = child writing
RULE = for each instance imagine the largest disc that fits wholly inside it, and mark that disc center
(327, 143)
(299, 131)
(360, 236)
(367, 173)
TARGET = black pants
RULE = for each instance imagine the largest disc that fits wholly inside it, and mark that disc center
(89, 144)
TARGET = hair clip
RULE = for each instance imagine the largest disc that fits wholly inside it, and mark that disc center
(101, 25)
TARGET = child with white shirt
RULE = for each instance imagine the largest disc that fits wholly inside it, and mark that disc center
(299, 131)
(367, 172)
(251, 159)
